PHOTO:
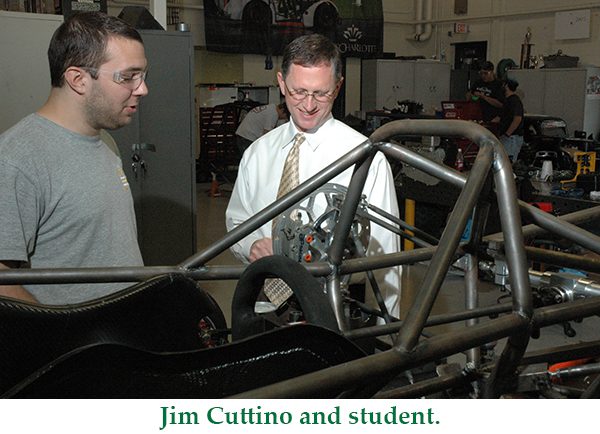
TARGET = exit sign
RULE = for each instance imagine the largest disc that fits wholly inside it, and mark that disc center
(461, 28)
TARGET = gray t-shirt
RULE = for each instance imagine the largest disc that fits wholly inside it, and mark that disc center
(258, 121)
(64, 202)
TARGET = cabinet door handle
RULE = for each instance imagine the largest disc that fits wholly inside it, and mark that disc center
(143, 147)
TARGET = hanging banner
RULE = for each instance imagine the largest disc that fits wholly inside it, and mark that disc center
(267, 26)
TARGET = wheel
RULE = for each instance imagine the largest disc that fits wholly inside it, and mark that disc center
(326, 17)
(256, 27)
(256, 14)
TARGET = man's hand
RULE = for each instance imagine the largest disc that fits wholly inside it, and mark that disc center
(261, 248)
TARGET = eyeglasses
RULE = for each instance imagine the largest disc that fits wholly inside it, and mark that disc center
(129, 79)
(319, 96)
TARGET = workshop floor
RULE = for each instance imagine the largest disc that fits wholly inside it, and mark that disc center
(211, 227)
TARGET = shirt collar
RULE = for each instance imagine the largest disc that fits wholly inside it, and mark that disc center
(314, 139)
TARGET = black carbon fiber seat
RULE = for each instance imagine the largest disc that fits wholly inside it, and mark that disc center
(116, 371)
(161, 314)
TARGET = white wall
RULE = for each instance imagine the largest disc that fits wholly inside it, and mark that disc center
(503, 23)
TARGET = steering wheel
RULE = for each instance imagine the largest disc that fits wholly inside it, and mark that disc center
(308, 291)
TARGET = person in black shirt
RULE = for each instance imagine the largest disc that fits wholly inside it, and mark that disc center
(510, 128)
(488, 91)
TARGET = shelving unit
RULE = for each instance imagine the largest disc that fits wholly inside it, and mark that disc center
(217, 137)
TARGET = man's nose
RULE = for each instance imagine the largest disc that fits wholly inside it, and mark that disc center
(142, 89)
(310, 103)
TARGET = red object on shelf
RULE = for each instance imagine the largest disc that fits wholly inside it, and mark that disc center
(465, 110)
(544, 206)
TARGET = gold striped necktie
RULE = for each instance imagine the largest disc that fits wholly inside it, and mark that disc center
(290, 176)
(276, 290)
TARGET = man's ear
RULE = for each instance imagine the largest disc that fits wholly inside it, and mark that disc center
(281, 83)
(339, 86)
(77, 79)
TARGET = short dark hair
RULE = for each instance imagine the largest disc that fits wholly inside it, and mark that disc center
(312, 50)
(511, 84)
(487, 66)
(81, 41)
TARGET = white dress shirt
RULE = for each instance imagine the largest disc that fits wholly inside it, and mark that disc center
(260, 173)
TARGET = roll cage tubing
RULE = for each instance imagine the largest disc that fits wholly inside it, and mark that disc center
(363, 376)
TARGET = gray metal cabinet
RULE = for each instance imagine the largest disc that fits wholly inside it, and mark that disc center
(570, 93)
(566, 93)
(157, 149)
(384, 82)
(431, 84)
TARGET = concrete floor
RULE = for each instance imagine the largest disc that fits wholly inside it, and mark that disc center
(211, 226)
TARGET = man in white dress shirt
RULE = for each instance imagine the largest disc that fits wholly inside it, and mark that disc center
(310, 79)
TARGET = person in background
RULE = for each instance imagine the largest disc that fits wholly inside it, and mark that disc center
(488, 91)
(65, 199)
(510, 127)
(310, 79)
(258, 121)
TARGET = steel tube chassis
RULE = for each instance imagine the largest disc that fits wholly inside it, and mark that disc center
(409, 350)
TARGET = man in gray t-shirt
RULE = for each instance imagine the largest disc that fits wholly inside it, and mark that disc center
(259, 121)
(64, 199)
